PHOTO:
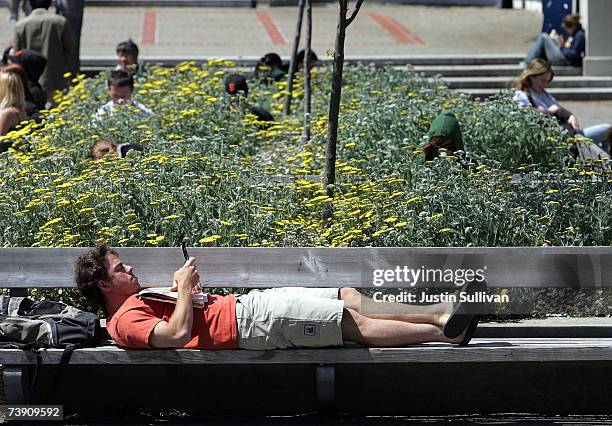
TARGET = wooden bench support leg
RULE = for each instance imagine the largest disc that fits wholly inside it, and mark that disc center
(16, 384)
(326, 387)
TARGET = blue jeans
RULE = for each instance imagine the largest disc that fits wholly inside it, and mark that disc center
(598, 133)
(545, 48)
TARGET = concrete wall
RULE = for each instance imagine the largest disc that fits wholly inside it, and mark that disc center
(597, 15)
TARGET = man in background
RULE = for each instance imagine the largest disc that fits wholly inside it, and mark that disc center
(51, 36)
(72, 10)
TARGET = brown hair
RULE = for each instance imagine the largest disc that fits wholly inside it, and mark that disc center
(100, 148)
(432, 148)
(537, 67)
(570, 22)
(89, 269)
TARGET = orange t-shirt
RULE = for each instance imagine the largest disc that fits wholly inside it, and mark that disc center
(214, 327)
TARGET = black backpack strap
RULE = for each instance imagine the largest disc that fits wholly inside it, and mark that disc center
(64, 360)
(38, 352)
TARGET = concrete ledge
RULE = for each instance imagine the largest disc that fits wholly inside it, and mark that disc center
(555, 327)
(505, 82)
(562, 94)
(434, 60)
(598, 66)
(166, 3)
(443, 2)
(486, 70)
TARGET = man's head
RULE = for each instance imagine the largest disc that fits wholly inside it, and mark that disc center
(271, 60)
(100, 274)
(127, 55)
(120, 86)
(313, 59)
(40, 4)
(100, 148)
(236, 84)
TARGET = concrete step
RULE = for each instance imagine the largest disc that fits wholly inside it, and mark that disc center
(486, 70)
(392, 60)
(554, 327)
(562, 94)
(504, 82)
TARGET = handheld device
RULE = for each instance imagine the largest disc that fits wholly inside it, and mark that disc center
(184, 249)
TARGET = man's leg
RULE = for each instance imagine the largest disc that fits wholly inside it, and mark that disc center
(386, 333)
(419, 314)
(13, 7)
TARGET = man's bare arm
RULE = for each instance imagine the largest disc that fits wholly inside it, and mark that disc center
(177, 331)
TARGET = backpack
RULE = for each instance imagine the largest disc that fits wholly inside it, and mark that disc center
(37, 325)
(29, 324)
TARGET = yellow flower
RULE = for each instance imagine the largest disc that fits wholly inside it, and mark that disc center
(434, 217)
(210, 239)
(52, 222)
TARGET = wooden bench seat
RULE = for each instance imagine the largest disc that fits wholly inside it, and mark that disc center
(23, 268)
(481, 350)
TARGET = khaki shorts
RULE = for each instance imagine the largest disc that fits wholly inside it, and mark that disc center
(289, 317)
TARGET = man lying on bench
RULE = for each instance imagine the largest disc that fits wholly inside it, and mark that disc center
(270, 319)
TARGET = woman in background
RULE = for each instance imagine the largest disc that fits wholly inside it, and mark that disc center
(558, 51)
(531, 92)
(12, 101)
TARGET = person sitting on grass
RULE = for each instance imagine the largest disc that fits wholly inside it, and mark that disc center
(313, 59)
(531, 92)
(120, 89)
(269, 319)
(558, 51)
(102, 146)
(127, 56)
(444, 137)
(270, 69)
(236, 86)
(12, 105)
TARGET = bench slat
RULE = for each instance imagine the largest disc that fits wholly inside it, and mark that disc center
(322, 267)
(481, 350)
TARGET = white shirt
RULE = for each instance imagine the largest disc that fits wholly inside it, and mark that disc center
(107, 109)
(541, 99)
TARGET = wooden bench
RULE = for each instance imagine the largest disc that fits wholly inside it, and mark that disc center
(23, 268)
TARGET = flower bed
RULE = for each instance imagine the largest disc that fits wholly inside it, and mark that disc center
(206, 174)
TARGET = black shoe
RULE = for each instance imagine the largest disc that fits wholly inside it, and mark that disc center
(464, 313)
(470, 331)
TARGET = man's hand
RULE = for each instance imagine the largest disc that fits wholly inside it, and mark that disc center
(176, 333)
(187, 277)
(553, 109)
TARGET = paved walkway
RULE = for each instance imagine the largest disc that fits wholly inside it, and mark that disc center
(380, 29)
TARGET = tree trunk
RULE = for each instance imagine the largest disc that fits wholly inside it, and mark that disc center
(307, 85)
(292, 64)
(334, 106)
